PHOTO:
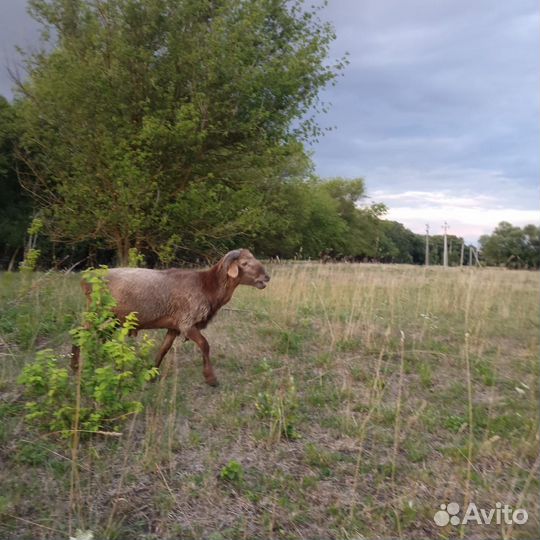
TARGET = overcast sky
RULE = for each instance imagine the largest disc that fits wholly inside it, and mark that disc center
(438, 109)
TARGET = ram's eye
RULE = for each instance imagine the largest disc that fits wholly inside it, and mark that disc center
(243, 263)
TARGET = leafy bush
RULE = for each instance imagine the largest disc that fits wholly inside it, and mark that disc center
(280, 408)
(31, 256)
(29, 263)
(232, 472)
(135, 258)
(112, 370)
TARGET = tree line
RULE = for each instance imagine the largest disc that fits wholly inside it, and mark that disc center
(511, 246)
(169, 131)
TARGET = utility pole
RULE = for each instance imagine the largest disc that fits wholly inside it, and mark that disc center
(462, 252)
(470, 255)
(427, 245)
(445, 245)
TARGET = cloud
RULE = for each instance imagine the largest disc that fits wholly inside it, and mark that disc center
(438, 109)
(469, 215)
(428, 199)
(469, 223)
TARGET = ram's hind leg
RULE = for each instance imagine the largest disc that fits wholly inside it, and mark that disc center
(166, 345)
(208, 371)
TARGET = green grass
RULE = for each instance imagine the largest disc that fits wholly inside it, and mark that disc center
(305, 437)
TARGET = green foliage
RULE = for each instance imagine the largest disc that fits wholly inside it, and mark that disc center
(15, 207)
(31, 257)
(113, 369)
(232, 472)
(398, 244)
(280, 409)
(485, 370)
(289, 342)
(455, 423)
(32, 454)
(512, 246)
(29, 263)
(426, 374)
(136, 259)
(35, 227)
(48, 383)
(323, 218)
(166, 251)
(308, 218)
(181, 102)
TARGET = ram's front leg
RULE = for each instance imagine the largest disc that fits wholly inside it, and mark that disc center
(166, 345)
(194, 334)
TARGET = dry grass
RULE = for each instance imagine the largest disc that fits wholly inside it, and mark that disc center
(400, 388)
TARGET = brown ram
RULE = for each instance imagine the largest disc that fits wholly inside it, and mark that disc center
(182, 301)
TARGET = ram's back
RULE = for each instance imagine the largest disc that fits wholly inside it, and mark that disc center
(161, 298)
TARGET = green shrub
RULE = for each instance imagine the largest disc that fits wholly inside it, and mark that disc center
(280, 408)
(29, 263)
(426, 374)
(484, 369)
(232, 472)
(454, 422)
(113, 368)
(136, 259)
(32, 254)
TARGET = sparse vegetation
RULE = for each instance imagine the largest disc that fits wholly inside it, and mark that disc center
(320, 355)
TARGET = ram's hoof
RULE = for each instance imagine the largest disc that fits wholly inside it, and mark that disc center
(212, 381)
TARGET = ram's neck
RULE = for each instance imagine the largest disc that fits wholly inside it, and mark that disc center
(217, 286)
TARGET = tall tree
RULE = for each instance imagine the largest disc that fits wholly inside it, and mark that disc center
(15, 205)
(400, 245)
(141, 116)
(512, 246)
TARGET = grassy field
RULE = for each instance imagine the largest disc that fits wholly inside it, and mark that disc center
(354, 401)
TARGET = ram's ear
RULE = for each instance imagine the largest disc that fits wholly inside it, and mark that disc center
(229, 264)
(232, 271)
